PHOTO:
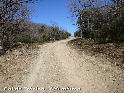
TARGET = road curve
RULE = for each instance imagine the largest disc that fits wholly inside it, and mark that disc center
(61, 69)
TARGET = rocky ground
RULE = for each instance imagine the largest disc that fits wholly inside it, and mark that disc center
(58, 68)
(114, 52)
(15, 63)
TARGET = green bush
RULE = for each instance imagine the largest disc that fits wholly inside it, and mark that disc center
(117, 30)
(41, 34)
(104, 34)
(113, 32)
(45, 38)
(28, 39)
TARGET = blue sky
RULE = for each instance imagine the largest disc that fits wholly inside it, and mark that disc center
(49, 11)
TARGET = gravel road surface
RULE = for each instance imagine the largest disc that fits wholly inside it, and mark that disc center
(61, 69)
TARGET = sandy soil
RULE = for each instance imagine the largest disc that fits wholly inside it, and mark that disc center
(60, 69)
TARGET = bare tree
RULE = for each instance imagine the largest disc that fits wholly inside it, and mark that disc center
(12, 12)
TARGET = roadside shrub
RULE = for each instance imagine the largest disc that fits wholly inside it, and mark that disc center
(27, 39)
(45, 38)
(117, 30)
(104, 34)
(113, 32)
(37, 33)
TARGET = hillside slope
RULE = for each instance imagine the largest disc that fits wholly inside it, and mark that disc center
(58, 65)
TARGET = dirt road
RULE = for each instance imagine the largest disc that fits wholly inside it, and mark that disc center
(61, 69)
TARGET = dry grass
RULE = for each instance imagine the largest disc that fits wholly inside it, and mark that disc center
(111, 51)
